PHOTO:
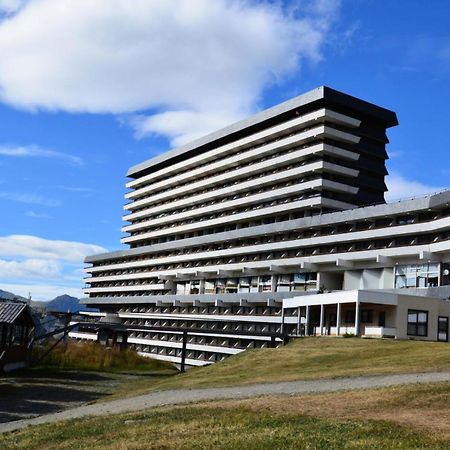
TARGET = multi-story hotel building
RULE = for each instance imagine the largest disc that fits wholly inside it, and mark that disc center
(274, 225)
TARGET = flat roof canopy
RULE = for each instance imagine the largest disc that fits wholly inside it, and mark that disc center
(262, 119)
(332, 298)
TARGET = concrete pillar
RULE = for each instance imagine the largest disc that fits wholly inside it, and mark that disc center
(307, 321)
(322, 310)
(338, 320)
(282, 320)
(357, 319)
(299, 320)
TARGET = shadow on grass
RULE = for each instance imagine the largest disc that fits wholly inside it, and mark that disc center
(43, 390)
(32, 392)
(21, 400)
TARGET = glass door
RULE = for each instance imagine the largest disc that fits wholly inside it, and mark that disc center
(442, 329)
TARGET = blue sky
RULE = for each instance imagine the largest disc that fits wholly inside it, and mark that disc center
(87, 92)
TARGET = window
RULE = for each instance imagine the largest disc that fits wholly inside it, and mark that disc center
(209, 287)
(231, 286)
(367, 316)
(254, 284)
(195, 287)
(244, 285)
(284, 283)
(417, 323)
(417, 276)
(350, 316)
(181, 288)
(304, 281)
(265, 284)
(445, 274)
(220, 286)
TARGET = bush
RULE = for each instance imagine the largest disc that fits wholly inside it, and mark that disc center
(93, 356)
(348, 335)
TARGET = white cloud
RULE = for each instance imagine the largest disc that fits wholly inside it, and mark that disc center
(29, 198)
(42, 291)
(44, 267)
(401, 188)
(33, 151)
(199, 63)
(26, 246)
(30, 268)
(181, 126)
(11, 6)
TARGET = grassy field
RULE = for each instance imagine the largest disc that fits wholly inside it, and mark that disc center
(313, 358)
(92, 356)
(372, 419)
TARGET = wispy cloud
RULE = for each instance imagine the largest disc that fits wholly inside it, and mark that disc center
(36, 215)
(418, 53)
(29, 198)
(34, 151)
(401, 188)
(35, 247)
(86, 190)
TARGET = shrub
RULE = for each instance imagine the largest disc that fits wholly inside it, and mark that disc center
(93, 356)
(348, 335)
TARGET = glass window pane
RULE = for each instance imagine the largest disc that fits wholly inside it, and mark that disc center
(300, 278)
(421, 330)
(422, 318)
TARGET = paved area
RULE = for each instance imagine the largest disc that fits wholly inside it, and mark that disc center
(173, 397)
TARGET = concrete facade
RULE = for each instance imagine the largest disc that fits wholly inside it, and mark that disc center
(289, 204)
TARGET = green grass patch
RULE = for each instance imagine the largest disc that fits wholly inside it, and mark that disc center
(94, 357)
(312, 358)
(216, 428)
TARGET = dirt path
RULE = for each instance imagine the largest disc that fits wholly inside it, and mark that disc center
(173, 397)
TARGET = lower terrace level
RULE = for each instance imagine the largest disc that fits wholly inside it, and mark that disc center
(372, 313)
(220, 327)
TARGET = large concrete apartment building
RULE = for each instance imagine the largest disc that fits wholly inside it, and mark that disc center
(273, 226)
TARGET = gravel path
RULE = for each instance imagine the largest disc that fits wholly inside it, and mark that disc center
(173, 397)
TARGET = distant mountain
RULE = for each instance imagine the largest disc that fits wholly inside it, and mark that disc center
(9, 296)
(62, 303)
(66, 303)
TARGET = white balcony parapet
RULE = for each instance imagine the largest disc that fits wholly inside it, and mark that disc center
(252, 140)
(228, 206)
(244, 216)
(243, 172)
(83, 335)
(372, 331)
(136, 287)
(176, 359)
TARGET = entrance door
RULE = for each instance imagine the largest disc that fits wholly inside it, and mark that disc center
(442, 329)
(332, 319)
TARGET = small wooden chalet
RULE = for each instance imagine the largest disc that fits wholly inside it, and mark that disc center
(16, 333)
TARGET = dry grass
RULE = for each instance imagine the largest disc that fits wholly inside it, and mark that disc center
(312, 358)
(391, 418)
(420, 407)
(73, 355)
